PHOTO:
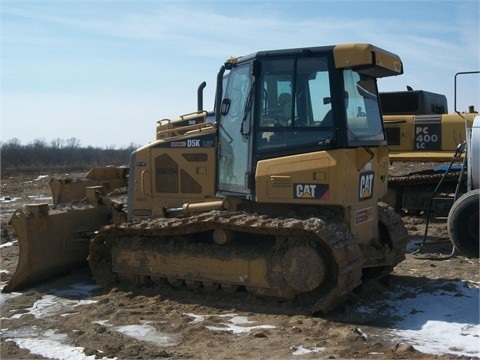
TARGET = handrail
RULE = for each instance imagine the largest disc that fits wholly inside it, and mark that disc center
(182, 130)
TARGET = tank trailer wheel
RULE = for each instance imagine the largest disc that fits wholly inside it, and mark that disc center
(462, 223)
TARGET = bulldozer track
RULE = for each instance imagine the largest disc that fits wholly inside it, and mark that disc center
(397, 234)
(314, 262)
(284, 247)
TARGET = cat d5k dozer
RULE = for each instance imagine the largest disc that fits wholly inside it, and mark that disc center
(276, 194)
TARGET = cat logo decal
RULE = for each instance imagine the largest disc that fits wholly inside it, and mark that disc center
(311, 191)
(366, 185)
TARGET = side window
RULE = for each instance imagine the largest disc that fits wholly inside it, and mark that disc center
(319, 88)
(277, 88)
(295, 101)
(364, 121)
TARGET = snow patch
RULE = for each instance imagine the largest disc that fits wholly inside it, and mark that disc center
(143, 332)
(7, 199)
(7, 244)
(443, 321)
(60, 301)
(40, 197)
(40, 177)
(148, 333)
(48, 343)
(196, 318)
(300, 350)
(234, 325)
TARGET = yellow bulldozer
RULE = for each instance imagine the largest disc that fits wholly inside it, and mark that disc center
(275, 192)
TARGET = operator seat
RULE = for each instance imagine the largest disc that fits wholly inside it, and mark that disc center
(285, 106)
(328, 118)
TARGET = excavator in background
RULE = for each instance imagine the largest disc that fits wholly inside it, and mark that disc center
(426, 135)
(276, 192)
(419, 127)
(420, 131)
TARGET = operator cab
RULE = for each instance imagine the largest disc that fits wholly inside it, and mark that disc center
(287, 102)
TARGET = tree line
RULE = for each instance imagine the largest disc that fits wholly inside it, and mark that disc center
(60, 153)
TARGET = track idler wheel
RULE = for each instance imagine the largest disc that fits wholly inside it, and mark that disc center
(304, 268)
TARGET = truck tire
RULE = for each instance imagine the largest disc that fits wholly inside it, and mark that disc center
(462, 223)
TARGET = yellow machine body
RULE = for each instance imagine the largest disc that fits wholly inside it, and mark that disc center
(428, 138)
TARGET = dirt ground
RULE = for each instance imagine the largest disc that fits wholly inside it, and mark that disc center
(343, 333)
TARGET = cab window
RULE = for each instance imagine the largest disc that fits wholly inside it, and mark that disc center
(364, 121)
(295, 104)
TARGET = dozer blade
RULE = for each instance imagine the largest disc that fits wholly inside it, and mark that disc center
(67, 189)
(55, 241)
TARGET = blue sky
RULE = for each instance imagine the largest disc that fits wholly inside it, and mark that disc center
(104, 72)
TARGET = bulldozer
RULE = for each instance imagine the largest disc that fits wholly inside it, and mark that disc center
(275, 192)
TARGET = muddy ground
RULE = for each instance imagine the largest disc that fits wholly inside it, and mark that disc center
(174, 315)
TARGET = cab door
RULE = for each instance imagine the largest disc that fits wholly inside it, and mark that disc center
(234, 152)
